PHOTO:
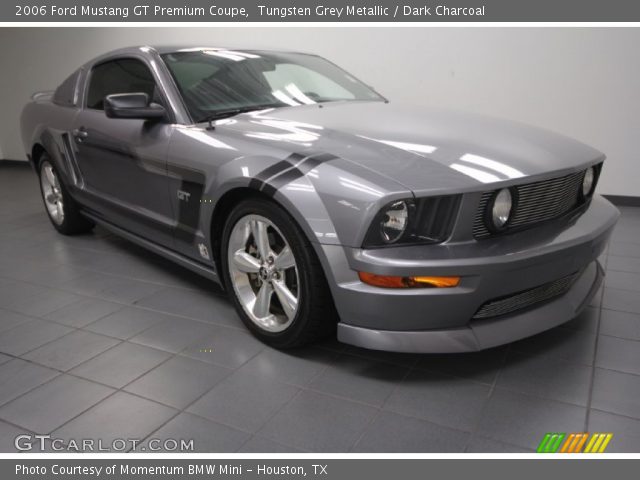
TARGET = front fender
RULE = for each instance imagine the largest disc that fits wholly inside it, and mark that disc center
(331, 199)
(305, 207)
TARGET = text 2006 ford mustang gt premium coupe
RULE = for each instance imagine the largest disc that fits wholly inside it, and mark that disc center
(315, 202)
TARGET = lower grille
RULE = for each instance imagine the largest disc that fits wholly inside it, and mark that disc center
(525, 299)
(536, 202)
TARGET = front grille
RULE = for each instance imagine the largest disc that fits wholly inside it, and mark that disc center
(535, 202)
(527, 298)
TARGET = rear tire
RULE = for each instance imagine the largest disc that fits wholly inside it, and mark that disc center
(274, 277)
(61, 209)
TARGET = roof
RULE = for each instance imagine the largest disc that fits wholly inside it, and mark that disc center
(177, 48)
(162, 49)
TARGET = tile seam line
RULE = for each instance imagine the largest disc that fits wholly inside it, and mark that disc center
(476, 428)
(380, 408)
(587, 417)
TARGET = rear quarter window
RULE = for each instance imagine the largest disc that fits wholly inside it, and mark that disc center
(66, 95)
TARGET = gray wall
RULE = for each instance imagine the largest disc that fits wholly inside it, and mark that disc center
(577, 81)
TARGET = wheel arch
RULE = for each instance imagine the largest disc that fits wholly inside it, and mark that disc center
(36, 154)
(45, 144)
(223, 207)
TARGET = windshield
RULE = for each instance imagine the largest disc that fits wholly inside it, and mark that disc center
(217, 81)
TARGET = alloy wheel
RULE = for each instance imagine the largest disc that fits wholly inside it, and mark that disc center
(264, 273)
(52, 193)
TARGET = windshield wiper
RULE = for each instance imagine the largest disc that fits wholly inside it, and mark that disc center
(230, 112)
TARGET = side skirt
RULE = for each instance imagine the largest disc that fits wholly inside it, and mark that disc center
(175, 257)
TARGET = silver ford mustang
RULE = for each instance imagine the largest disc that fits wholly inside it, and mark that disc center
(319, 204)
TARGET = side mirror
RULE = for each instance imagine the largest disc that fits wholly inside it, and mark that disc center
(132, 105)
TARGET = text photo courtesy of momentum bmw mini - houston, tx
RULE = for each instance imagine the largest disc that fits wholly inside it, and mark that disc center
(341, 235)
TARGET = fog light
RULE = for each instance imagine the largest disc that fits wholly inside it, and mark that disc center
(587, 182)
(501, 208)
(391, 281)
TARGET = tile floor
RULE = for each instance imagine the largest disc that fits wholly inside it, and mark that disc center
(100, 339)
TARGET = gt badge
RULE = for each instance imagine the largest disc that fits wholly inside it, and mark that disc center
(182, 195)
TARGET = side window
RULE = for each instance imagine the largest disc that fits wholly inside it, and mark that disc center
(125, 75)
(65, 94)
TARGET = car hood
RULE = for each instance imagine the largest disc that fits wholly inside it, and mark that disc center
(425, 150)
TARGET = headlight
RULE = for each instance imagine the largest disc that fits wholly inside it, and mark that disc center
(394, 221)
(501, 208)
(588, 181)
(413, 221)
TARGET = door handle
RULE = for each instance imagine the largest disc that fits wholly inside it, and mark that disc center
(80, 133)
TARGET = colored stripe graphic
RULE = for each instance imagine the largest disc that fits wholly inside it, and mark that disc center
(581, 443)
(605, 443)
(598, 443)
(594, 437)
(566, 447)
(543, 443)
(574, 442)
(577, 443)
(551, 442)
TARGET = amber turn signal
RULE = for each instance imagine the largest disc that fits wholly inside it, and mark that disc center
(390, 281)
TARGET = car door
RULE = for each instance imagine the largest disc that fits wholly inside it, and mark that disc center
(123, 161)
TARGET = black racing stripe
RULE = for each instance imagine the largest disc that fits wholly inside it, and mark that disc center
(279, 167)
(258, 182)
(315, 161)
(255, 184)
(287, 177)
(274, 169)
(295, 173)
(321, 158)
(296, 157)
(269, 190)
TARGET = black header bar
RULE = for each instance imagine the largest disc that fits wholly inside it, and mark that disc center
(21, 11)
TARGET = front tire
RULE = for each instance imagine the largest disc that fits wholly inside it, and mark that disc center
(62, 210)
(274, 277)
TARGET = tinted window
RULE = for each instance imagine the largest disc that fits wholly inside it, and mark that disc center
(65, 94)
(216, 80)
(119, 76)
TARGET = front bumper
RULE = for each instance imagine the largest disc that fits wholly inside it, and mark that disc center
(439, 320)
